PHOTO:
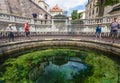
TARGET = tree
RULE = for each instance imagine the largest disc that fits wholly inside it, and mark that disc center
(102, 3)
(74, 15)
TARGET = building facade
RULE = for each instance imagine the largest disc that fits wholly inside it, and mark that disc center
(42, 4)
(82, 14)
(24, 8)
(92, 10)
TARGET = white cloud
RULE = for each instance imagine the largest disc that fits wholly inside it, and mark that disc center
(66, 4)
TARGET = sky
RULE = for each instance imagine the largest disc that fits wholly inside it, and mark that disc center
(68, 5)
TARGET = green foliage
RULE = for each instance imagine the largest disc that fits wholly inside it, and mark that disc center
(74, 15)
(104, 69)
(111, 2)
(25, 69)
(107, 2)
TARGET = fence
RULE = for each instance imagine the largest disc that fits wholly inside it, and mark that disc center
(84, 27)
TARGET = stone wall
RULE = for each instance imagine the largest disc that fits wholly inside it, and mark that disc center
(8, 49)
(23, 8)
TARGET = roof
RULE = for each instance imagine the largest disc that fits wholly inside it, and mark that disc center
(116, 8)
(56, 9)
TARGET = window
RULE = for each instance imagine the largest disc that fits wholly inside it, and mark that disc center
(46, 7)
(97, 10)
(89, 13)
(90, 5)
(93, 11)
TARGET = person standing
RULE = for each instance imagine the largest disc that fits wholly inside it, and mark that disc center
(98, 31)
(114, 29)
(10, 33)
(26, 29)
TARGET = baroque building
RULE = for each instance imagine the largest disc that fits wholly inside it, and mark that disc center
(42, 4)
(56, 10)
(92, 10)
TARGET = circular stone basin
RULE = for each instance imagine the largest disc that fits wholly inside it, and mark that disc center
(60, 66)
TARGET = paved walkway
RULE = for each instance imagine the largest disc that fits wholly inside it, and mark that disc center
(17, 39)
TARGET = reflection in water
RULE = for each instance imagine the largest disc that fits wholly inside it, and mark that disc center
(53, 72)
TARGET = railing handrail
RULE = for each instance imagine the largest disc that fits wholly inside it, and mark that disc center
(18, 19)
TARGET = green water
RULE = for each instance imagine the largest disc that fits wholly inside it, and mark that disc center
(59, 74)
(60, 66)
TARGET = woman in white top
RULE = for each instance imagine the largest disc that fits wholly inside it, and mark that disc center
(10, 32)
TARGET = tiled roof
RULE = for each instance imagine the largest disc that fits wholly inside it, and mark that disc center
(56, 9)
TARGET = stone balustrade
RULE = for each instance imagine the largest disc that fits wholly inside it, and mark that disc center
(103, 20)
(46, 27)
(4, 17)
(17, 19)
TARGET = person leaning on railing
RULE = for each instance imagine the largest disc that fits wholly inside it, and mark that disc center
(114, 29)
(10, 32)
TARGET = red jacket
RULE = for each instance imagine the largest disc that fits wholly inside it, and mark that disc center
(26, 27)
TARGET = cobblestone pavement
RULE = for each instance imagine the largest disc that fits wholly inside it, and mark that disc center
(17, 39)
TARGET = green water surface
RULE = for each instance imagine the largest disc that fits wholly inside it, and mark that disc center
(60, 66)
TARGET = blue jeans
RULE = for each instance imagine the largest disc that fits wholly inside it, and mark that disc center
(114, 33)
(27, 33)
(10, 36)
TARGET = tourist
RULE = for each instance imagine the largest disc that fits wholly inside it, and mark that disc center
(26, 29)
(114, 29)
(10, 32)
(98, 31)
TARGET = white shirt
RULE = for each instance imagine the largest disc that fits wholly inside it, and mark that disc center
(9, 29)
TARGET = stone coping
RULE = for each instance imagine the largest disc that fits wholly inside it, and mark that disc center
(12, 47)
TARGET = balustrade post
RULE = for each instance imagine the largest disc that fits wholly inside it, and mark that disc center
(32, 21)
(12, 19)
(53, 25)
